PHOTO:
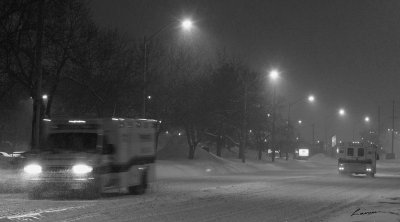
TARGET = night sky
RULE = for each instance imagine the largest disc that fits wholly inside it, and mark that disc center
(345, 52)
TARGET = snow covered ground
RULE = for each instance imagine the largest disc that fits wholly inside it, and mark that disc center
(210, 188)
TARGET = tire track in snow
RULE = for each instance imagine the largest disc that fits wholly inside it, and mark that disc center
(38, 215)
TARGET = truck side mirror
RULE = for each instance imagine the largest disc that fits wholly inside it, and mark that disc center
(108, 149)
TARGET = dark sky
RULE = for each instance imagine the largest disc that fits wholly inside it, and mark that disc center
(346, 52)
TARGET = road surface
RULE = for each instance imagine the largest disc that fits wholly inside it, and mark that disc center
(311, 193)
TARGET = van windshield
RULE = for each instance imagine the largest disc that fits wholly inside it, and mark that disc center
(75, 142)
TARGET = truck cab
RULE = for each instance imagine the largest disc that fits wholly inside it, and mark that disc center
(93, 156)
(357, 158)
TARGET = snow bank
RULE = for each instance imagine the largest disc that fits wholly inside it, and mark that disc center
(322, 158)
(176, 148)
(173, 161)
(10, 181)
(198, 168)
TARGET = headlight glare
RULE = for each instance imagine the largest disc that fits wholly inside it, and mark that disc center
(81, 169)
(33, 169)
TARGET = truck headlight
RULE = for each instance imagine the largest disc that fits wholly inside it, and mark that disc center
(369, 169)
(82, 169)
(33, 169)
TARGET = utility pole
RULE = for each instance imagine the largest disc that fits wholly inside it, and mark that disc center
(313, 136)
(393, 110)
(273, 124)
(144, 77)
(38, 72)
(326, 138)
(379, 126)
(244, 126)
(288, 134)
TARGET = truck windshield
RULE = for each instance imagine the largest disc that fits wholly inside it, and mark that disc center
(75, 142)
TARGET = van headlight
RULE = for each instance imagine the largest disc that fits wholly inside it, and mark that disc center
(33, 169)
(81, 169)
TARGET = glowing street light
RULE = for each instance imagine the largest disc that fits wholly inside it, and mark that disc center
(367, 119)
(274, 74)
(187, 24)
(45, 96)
(342, 112)
(311, 98)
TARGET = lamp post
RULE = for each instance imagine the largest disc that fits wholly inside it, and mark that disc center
(45, 101)
(310, 99)
(186, 25)
(273, 76)
(341, 113)
(366, 121)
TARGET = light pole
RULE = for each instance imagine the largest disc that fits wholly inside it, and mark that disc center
(366, 121)
(273, 76)
(186, 25)
(341, 113)
(310, 99)
(45, 101)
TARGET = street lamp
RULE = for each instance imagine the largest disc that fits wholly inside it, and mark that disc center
(366, 120)
(273, 76)
(45, 98)
(300, 122)
(186, 25)
(342, 112)
(310, 99)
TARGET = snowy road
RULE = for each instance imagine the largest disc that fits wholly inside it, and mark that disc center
(313, 193)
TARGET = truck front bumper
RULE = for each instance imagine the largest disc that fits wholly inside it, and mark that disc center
(355, 168)
(59, 184)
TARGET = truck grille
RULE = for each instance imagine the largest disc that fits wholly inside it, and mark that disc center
(57, 169)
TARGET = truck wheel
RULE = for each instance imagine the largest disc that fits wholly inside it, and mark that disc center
(141, 188)
(35, 194)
